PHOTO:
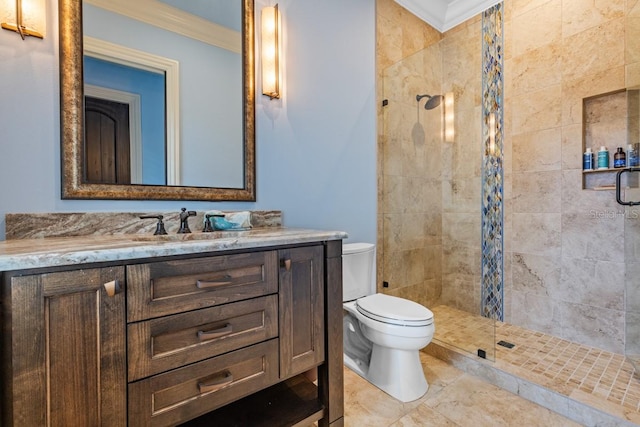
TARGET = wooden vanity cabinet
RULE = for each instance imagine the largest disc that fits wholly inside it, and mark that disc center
(301, 299)
(63, 349)
(200, 340)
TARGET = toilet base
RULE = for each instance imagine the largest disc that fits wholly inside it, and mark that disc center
(356, 366)
(397, 372)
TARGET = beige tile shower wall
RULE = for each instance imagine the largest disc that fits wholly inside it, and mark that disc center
(410, 159)
(565, 245)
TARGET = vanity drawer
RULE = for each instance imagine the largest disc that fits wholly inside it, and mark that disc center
(182, 394)
(162, 288)
(165, 343)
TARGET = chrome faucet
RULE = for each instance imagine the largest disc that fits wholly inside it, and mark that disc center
(184, 220)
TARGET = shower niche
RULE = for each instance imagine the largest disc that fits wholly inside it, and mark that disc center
(610, 120)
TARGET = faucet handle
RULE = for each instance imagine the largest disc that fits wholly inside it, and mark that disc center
(159, 226)
(184, 220)
(208, 227)
(207, 224)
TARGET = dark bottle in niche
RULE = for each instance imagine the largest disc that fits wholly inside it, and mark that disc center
(619, 159)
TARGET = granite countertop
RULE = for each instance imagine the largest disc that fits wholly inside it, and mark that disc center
(61, 251)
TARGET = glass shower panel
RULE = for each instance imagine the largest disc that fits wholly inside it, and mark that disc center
(630, 193)
(431, 189)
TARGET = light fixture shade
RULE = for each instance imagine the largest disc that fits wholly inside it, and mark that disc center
(449, 118)
(270, 56)
(26, 17)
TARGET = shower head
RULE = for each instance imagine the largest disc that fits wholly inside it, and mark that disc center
(432, 101)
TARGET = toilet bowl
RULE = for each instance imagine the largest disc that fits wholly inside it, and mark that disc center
(382, 334)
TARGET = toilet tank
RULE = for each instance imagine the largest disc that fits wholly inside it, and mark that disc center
(358, 270)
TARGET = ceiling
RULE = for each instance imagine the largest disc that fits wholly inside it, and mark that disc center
(446, 14)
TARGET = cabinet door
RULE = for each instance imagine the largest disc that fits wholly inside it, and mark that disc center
(67, 361)
(301, 309)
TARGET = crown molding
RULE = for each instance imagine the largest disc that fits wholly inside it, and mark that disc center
(444, 15)
(161, 15)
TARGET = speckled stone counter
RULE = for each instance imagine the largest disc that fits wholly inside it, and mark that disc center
(61, 251)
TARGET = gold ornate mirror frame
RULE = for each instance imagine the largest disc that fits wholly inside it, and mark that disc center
(72, 122)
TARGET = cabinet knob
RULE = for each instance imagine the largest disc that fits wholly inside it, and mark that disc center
(112, 288)
(286, 264)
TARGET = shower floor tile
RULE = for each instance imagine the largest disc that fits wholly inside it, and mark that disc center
(597, 378)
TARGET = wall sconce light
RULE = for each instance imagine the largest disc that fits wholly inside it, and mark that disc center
(449, 118)
(270, 52)
(29, 17)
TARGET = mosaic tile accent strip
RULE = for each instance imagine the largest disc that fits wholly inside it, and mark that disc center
(492, 302)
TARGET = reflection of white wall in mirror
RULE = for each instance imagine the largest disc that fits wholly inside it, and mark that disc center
(29, 14)
(119, 54)
(211, 96)
(135, 125)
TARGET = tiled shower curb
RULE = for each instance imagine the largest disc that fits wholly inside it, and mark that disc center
(552, 400)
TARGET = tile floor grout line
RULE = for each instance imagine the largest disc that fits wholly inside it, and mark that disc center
(599, 373)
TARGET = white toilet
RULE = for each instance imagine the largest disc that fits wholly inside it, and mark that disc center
(382, 334)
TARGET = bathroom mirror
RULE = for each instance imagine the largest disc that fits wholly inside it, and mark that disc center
(75, 184)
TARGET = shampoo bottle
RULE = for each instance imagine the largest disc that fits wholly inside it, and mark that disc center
(619, 159)
(587, 160)
(603, 158)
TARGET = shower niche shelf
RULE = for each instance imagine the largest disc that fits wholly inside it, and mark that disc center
(611, 120)
(605, 179)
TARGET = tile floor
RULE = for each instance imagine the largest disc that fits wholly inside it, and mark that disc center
(453, 399)
(589, 376)
(598, 378)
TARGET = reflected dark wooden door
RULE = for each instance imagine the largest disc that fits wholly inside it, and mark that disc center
(107, 156)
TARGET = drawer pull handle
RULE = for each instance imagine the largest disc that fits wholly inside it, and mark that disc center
(216, 333)
(286, 263)
(217, 383)
(112, 288)
(203, 284)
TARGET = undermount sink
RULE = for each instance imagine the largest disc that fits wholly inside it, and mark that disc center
(178, 237)
(199, 235)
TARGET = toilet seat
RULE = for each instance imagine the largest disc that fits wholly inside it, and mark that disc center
(394, 310)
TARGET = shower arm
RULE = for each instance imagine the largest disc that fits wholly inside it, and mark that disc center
(432, 101)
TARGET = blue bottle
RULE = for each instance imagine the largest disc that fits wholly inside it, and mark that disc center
(587, 160)
(603, 158)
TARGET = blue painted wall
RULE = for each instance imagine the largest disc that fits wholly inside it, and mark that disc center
(316, 148)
